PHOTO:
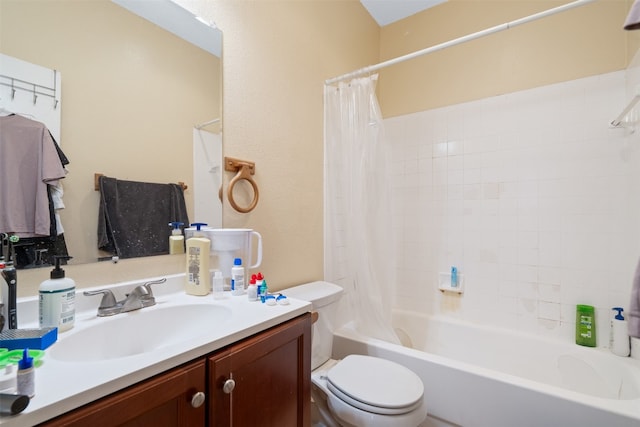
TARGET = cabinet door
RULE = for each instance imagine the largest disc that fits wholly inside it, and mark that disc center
(163, 401)
(267, 378)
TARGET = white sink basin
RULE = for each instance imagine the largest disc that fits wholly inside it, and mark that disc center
(137, 332)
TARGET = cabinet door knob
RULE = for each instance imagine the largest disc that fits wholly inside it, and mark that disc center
(228, 386)
(198, 399)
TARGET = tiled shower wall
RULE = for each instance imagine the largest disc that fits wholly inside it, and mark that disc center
(532, 195)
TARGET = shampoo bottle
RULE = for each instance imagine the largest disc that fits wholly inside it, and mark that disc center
(619, 337)
(198, 246)
(57, 298)
(585, 325)
(176, 240)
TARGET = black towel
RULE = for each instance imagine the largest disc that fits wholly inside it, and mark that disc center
(134, 216)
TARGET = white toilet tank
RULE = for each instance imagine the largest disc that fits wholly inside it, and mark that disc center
(324, 297)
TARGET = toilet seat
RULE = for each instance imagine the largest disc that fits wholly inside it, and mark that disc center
(375, 385)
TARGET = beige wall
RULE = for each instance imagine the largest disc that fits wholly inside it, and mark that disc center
(277, 55)
(581, 42)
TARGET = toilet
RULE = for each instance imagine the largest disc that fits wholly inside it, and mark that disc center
(358, 390)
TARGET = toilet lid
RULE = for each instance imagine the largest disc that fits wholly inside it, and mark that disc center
(375, 385)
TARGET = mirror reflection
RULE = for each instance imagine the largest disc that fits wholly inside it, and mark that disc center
(137, 103)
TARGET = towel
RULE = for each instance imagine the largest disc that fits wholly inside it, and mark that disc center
(633, 18)
(633, 316)
(134, 216)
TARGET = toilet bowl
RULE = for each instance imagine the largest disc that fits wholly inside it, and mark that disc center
(358, 390)
(369, 391)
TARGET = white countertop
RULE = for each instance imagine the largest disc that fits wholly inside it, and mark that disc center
(62, 386)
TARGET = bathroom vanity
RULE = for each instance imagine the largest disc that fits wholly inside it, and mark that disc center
(249, 364)
(262, 380)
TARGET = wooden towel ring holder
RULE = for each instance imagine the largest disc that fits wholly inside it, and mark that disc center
(244, 170)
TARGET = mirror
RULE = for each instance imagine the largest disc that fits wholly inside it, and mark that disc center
(132, 95)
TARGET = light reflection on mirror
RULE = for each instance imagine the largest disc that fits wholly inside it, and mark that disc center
(132, 94)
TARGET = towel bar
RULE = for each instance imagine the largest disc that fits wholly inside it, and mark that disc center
(96, 182)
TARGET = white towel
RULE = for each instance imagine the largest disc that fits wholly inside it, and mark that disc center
(634, 306)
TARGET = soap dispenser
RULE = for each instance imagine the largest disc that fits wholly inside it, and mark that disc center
(198, 247)
(619, 337)
(57, 297)
(176, 240)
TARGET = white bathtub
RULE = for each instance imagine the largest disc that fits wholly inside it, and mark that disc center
(477, 376)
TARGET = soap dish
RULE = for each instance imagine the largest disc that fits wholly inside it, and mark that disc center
(40, 338)
(444, 283)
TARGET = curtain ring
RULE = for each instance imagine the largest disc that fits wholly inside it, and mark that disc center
(244, 171)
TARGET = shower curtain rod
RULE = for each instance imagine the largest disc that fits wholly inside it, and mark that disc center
(459, 40)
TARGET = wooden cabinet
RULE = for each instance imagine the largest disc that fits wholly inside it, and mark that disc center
(164, 400)
(262, 381)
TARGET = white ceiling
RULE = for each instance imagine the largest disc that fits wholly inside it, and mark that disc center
(177, 20)
(388, 11)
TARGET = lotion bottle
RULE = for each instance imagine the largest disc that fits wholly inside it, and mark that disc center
(619, 337)
(57, 297)
(197, 279)
(237, 277)
(176, 240)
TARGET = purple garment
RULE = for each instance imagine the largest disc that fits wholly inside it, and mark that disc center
(633, 316)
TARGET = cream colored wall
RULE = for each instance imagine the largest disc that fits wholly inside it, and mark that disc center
(577, 43)
(277, 55)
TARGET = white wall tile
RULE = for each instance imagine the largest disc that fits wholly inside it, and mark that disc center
(530, 194)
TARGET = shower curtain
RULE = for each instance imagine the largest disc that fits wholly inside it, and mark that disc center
(359, 235)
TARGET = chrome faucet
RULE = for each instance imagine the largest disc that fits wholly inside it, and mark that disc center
(140, 297)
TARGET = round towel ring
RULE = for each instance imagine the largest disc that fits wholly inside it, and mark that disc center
(244, 172)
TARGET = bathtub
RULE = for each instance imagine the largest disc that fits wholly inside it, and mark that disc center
(477, 376)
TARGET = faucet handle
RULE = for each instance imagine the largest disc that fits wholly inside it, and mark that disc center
(108, 305)
(147, 285)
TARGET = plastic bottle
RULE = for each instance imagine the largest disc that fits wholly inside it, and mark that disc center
(585, 325)
(260, 284)
(176, 240)
(252, 289)
(237, 277)
(198, 276)
(57, 297)
(264, 291)
(26, 375)
(454, 277)
(218, 284)
(619, 335)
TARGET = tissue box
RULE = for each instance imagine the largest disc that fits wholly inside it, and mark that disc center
(40, 338)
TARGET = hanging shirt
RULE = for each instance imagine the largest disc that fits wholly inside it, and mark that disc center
(29, 162)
